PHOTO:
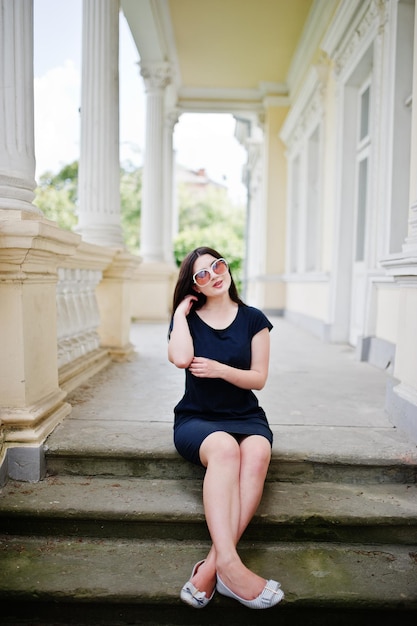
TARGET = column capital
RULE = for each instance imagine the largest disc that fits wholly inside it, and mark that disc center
(171, 118)
(157, 75)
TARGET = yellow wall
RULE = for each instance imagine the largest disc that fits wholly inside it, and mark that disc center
(309, 299)
(275, 197)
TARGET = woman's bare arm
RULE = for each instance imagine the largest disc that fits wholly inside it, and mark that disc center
(180, 346)
(254, 378)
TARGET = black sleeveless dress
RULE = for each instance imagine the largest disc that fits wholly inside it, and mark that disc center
(212, 404)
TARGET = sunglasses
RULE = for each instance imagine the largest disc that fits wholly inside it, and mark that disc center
(218, 268)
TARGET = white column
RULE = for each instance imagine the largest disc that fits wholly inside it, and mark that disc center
(156, 77)
(17, 156)
(99, 170)
(410, 245)
(170, 216)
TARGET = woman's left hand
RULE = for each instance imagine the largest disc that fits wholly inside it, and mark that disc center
(205, 368)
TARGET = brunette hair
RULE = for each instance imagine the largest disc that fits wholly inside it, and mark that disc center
(185, 285)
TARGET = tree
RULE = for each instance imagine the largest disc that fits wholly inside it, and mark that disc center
(208, 218)
(56, 196)
(130, 205)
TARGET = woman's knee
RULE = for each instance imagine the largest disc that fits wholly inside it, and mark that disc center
(220, 447)
(256, 453)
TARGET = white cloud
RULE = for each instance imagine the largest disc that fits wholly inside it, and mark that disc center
(57, 119)
(207, 141)
(201, 140)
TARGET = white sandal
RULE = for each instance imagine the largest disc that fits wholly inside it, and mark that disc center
(270, 595)
(191, 595)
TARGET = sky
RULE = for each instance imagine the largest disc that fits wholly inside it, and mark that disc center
(200, 141)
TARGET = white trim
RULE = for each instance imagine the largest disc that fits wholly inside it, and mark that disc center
(307, 277)
(146, 30)
(317, 21)
(168, 34)
(249, 101)
(341, 21)
(276, 101)
(273, 89)
(299, 108)
(218, 93)
(398, 265)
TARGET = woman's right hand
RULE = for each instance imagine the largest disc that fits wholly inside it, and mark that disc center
(180, 346)
(185, 305)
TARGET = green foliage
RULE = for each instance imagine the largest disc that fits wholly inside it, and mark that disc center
(130, 206)
(208, 218)
(56, 196)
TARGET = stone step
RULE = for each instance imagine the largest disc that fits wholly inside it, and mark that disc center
(300, 453)
(172, 509)
(149, 573)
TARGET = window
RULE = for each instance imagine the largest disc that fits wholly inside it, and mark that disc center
(362, 170)
(312, 203)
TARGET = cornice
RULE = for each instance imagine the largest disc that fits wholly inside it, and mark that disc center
(217, 99)
(295, 119)
(211, 100)
(318, 20)
(341, 21)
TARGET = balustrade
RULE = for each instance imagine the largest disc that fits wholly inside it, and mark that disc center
(78, 317)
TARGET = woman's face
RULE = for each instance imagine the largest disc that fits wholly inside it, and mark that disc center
(218, 284)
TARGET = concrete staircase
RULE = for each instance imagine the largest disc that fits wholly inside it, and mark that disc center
(110, 539)
(111, 535)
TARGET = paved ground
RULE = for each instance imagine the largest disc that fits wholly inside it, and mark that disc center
(319, 399)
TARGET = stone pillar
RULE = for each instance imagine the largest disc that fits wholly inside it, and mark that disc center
(152, 292)
(156, 77)
(402, 392)
(31, 247)
(17, 156)
(114, 298)
(99, 170)
(169, 200)
(31, 402)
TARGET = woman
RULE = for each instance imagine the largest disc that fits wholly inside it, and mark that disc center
(224, 347)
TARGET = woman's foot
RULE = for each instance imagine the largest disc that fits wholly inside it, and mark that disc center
(241, 580)
(204, 578)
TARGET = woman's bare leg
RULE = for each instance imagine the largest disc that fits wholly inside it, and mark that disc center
(233, 488)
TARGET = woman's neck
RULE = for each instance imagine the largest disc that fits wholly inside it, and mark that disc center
(219, 303)
(218, 313)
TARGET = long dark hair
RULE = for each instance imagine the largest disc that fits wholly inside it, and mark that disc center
(185, 283)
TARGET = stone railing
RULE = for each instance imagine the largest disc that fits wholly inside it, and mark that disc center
(91, 289)
(65, 314)
(78, 317)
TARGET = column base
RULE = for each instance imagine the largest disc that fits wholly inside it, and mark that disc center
(30, 425)
(125, 353)
(114, 297)
(79, 371)
(24, 463)
(152, 291)
(24, 433)
(401, 406)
